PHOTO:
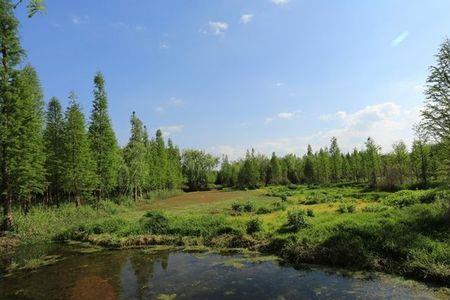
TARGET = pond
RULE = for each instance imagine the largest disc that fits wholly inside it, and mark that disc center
(144, 274)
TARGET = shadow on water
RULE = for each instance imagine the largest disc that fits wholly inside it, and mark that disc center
(137, 274)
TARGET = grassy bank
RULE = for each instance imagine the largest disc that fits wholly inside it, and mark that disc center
(403, 233)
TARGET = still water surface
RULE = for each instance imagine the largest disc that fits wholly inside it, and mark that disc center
(139, 274)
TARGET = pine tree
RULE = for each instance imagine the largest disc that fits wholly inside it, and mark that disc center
(275, 174)
(54, 149)
(373, 161)
(249, 174)
(29, 160)
(136, 167)
(308, 168)
(336, 160)
(79, 167)
(175, 179)
(160, 169)
(103, 140)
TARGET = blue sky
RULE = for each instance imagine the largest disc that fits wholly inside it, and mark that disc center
(228, 75)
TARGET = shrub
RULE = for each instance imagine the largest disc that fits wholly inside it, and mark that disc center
(263, 210)
(155, 222)
(253, 226)
(248, 206)
(310, 212)
(375, 208)
(346, 208)
(279, 206)
(284, 198)
(407, 198)
(201, 225)
(296, 219)
(238, 207)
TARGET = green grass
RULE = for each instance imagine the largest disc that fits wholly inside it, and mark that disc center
(336, 226)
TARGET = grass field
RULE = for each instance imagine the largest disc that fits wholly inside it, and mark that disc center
(403, 232)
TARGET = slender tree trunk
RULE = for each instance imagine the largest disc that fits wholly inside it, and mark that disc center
(8, 221)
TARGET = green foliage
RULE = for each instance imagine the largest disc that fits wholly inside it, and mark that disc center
(253, 226)
(197, 167)
(310, 212)
(103, 143)
(155, 222)
(375, 208)
(243, 207)
(296, 219)
(263, 210)
(79, 168)
(345, 207)
(407, 198)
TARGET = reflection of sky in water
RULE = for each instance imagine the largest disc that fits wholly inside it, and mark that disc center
(134, 274)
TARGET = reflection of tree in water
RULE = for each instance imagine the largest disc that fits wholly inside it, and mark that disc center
(93, 288)
(143, 266)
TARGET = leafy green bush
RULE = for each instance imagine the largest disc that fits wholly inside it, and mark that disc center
(243, 207)
(375, 208)
(284, 198)
(155, 222)
(310, 212)
(407, 198)
(202, 225)
(253, 226)
(346, 208)
(296, 219)
(263, 210)
(278, 205)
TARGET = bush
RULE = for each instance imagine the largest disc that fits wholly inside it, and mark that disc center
(243, 207)
(346, 208)
(155, 222)
(310, 212)
(202, 225)
(253, 226)
(375, 208)
(263, 210)
(407, 198)
(284, 198)
(279, 206)
(296, 219)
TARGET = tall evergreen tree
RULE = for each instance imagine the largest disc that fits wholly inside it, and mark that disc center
(336, 160)
(160, 169)
(136, 166)
(54, 149)
(175, 176)
(373, 161)
(103, 140)
(19, 168)
(29, 161)
(274, 173)
(79, 167)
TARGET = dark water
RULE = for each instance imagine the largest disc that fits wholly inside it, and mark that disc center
(136, 274)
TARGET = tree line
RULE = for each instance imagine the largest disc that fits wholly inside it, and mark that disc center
(330, 165)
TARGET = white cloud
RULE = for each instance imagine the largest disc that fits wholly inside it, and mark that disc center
(399, 38)
(284, 116)
(77, 20)
(288, 115)
(246, 18)
(176, 101)
(171, 129)
(164, 45)
(159, 109)
(279, 83)
(280, 2)
(233, 153)
(215, 28)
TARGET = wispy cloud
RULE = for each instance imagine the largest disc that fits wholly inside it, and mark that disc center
(164, 45)
(399, 38)
(215, 28)
(171, 129)
(280, 2)
(279, 83)
(173, 102)
(77, 19)
(246, 18)
(290, 115)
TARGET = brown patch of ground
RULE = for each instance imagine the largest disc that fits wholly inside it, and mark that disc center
(195, 198)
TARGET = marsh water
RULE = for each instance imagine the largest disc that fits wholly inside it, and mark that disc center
(146, 274)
